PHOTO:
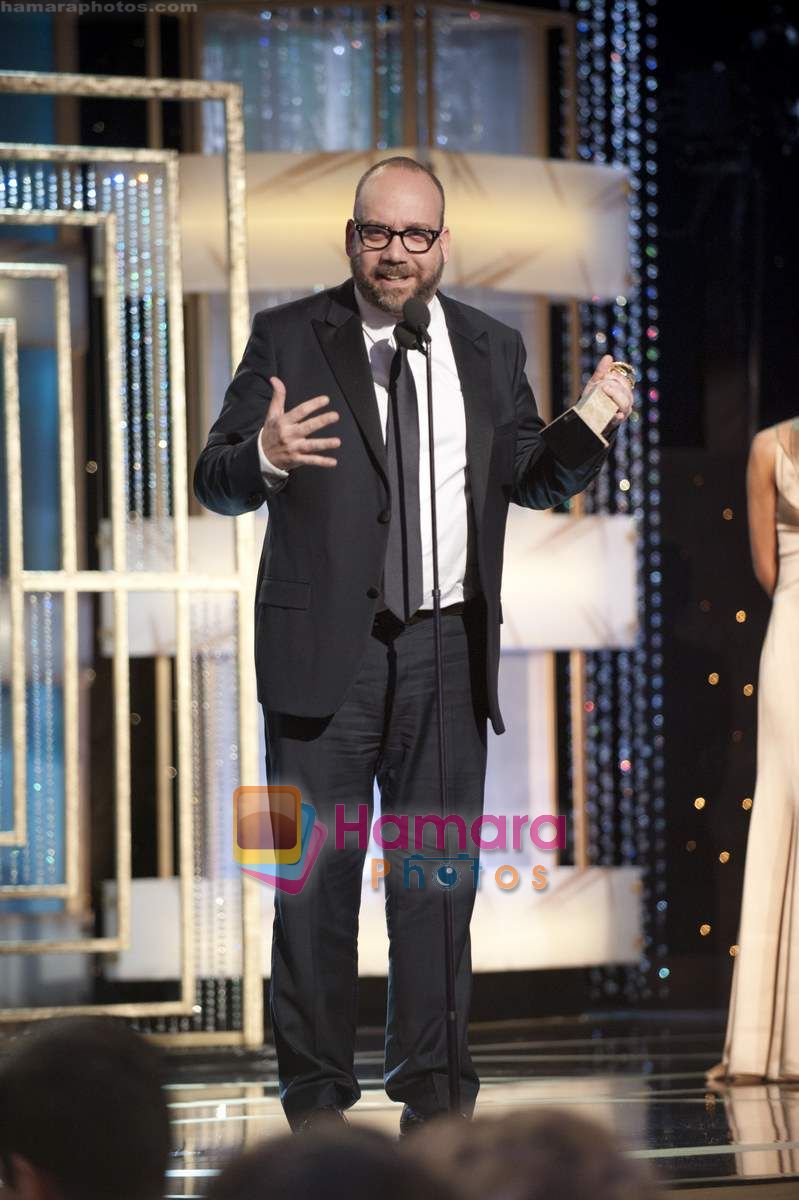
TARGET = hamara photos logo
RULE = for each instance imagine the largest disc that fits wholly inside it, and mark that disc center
(277, 840)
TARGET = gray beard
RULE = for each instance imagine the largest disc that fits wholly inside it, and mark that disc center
(425, 290)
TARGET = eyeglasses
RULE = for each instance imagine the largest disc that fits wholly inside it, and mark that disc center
(415, 241)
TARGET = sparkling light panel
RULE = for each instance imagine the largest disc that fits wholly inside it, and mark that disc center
(308, 77)
(484, 93)
(617, 123)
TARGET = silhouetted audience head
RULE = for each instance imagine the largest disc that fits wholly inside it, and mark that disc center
(82, 1113)
(537, 1154)
(344, 1164)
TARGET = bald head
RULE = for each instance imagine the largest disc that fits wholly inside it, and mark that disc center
(398, 195)
(399, 162)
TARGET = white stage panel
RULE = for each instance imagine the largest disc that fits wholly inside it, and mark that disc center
(569, 583)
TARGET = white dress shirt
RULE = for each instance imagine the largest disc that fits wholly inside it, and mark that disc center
(452, 472)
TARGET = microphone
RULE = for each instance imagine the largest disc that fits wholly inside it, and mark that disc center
(412, 332)
(406, 338)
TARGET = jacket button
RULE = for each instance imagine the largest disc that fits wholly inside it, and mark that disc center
(373, 593)
(384, 517)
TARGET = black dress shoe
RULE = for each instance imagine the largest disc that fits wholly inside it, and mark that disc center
(327, 1117)
(411, 1120)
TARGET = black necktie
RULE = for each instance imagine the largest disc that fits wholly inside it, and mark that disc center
(402, 578)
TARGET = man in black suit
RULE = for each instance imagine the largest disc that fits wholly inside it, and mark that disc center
(344, 647)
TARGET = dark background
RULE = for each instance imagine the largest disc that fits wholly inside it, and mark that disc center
(729, 254)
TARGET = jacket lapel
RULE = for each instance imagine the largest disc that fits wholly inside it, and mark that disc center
(340, 335)
(469, 340)
(341, 338)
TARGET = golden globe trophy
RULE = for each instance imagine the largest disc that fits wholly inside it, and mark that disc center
(577, 435)
(596, 408)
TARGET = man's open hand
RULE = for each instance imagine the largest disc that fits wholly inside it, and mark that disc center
(286, 436)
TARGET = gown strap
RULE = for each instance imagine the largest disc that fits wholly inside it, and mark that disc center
(788, 439)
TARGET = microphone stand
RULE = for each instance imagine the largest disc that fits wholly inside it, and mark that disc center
(453, 1047)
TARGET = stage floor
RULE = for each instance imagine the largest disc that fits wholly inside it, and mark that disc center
(642, 1074)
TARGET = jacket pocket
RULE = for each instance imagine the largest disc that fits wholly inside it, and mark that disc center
(284, 593)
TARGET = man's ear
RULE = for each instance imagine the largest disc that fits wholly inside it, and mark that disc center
(444, 240)
(349, 236)
(30, 1182)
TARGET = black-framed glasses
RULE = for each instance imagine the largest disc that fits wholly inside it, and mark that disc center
(377, 237)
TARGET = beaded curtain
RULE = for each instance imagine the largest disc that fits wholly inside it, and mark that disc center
(617, 123)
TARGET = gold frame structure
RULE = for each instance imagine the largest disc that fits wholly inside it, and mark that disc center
(17, 587)
(106, 222)
(167, 160)
(17, 577)
(21, 581)
(17, 835)
(181, 581)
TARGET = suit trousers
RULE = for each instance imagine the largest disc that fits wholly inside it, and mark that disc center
(385, 730)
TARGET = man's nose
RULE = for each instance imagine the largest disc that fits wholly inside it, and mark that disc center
(394, 251)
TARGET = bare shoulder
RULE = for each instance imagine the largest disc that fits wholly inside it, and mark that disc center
(764, 443)
(787, 432)
(761, 468)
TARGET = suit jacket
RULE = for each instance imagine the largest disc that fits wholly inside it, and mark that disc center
(326, 536)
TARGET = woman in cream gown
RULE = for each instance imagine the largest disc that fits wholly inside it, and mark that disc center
(762, 1039)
